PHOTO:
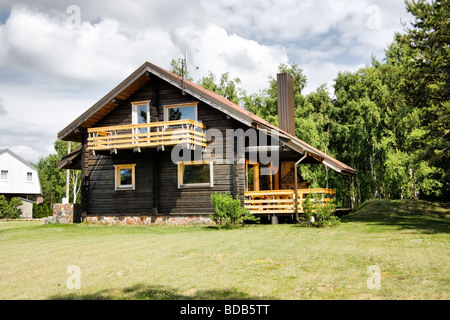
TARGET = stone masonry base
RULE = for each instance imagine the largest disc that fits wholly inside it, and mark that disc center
(149, 220)
(63, 213)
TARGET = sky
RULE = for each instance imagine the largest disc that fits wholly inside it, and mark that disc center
(57, 58)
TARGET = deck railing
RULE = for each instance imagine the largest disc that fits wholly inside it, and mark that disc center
(150, 135)
(281, 201)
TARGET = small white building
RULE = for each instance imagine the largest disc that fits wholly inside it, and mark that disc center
(18, 178)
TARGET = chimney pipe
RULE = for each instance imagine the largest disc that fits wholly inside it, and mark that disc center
(285, 90)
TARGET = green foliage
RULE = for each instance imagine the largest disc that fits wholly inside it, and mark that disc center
(53, 179)
(389, 120)
(323, 212)
(226, 87)
(42, 210)
(9, 210)
(177, 68)
(265, 104)
(228, 212)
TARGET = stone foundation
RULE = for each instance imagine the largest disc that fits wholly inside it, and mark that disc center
(63, 213)
(150, 220)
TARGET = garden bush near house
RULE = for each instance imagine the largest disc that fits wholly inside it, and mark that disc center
(9, 210)
(42, 210)
(228, 212)
(323, 212)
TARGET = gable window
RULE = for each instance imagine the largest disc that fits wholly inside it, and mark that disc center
(186, 111)
(140, 114)
(195, 174)
(4, 175)
(125, 176)
(29, 176)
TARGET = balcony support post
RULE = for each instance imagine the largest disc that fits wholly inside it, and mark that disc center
(296, 188)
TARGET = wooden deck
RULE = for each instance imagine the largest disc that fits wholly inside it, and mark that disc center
(147, 135)
(281, 201)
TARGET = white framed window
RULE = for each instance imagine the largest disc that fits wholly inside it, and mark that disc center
(182, 111)
(125, 176)
(195, 174)
(140, 114)
(4, 175)
(29, 176)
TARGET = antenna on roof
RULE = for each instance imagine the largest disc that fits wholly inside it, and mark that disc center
(184, 70)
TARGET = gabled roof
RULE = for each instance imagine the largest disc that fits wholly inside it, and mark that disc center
(34, 188)
(142, 75)
(18, 158)
(71, 160)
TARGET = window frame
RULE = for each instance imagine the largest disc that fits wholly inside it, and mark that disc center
(117, 183)
(7, 175)
(31, 174)
(134, 111)
(180, 173)
(181, 105)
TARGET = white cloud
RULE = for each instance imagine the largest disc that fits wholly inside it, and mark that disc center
(50, 73)
(45, 44)
(64, 70)
(2, 107)
(25, 152)
(213, 49)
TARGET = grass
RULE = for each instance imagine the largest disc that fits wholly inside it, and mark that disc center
(407, 240)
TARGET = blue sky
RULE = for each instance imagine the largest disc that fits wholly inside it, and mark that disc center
(57, 61)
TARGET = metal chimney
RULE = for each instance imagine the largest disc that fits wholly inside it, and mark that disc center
(286, 117)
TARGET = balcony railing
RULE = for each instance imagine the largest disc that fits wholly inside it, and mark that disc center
(281, 201)
(149, 135)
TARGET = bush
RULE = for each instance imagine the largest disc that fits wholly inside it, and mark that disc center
(323, 213)
(9, 210)
(42, 211)
(228, 212)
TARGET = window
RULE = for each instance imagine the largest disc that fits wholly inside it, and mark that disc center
(125, 176)
(195, 174)
(4, 175)
(29, 176)
(140, 114)
(181, 112)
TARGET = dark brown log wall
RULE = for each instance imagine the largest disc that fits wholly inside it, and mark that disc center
(163, 193)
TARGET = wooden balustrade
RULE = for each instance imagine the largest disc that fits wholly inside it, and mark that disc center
(167, 133)
(281, 201)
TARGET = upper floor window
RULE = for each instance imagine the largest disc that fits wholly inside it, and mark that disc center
(186, 111)
(4, 175)
(29, 176)
(140, 114)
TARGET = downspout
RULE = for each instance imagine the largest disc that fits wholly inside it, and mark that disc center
(295, 188)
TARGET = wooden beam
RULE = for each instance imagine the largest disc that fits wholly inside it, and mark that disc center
(117, 101)
(256, 177)
(296, 187)
(276, 179)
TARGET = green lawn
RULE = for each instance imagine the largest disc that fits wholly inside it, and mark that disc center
(407, 240)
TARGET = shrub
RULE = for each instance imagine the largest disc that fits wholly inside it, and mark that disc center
(9, 210)
(228, 212)
(42, 210)
(323, 213)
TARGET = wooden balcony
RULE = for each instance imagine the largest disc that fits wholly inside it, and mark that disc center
(281, 201)
(147, 135)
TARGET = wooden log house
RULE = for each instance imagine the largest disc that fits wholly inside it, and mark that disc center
(127, 145)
